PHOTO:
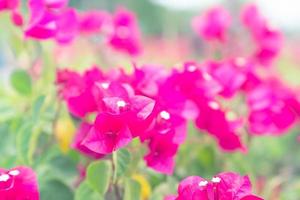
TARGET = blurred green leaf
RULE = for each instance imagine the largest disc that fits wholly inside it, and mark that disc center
(55, 190)
(98, 176)
(122, 160)
(85, 192)
(21, 82)
(132, 190)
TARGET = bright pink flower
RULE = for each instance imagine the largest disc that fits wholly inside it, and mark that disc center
(18, 183)
(9, 4)
(219, 124)
(17, 18)
(126, 35)
(269, 40)
(213, 24)
(224, 186)
(80, 135)
(52, 19)
(229, 76)
(93, 21)
(271, 111)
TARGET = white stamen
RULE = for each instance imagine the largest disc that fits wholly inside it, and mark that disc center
(14, 172)
(216, 180)
(4, 177)
(104, 85)
(206, 76)
(165, 115)
(214, 105)
(203, 183)
(240, 62)
(191, 68)
(121, 103)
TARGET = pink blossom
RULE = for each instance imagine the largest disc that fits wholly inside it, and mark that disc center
(224, 186)
(18, 183)
(126, 35)
(51, 19)
(269, 41)
(9, 4)
(213, 24)
(80, 135)
(270, 109)
(93, 21)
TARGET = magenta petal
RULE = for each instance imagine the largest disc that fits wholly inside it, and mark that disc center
(251, 197)
(23, 184)
(108, 134)
(67, 26)
(142, 105)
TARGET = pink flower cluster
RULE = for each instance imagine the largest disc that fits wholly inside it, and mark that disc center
(224, 186)
(18, 183)
(214, 24)
(54, 19)
(154, 104)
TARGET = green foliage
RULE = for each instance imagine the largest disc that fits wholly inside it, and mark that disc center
(55, 190)
(99, 175)
(21, 82)
(132, 190)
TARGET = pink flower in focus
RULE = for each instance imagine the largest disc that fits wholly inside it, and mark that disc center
(125, 35)
(18, 183)
(80, 135)
(213, 24)
(224, 186)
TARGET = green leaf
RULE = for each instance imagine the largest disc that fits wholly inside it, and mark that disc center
(85, 192)
(132, 190)
(21, 82)
(55, 190)
(23, 140)
(122, 160)
(98, 176)
(37, 105)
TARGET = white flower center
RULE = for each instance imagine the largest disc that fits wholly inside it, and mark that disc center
(214, 105)
(216, 180)
(206, 76)
(165, 115)
(191, 68)
(14, 172)
(121, 103)
(4, 177)
(203, 183)
(104, 85)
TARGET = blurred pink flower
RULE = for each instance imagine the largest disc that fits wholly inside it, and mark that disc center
(225, 186)
(212, 24)
(125, 35)
(270, 109)
(18, 183)
(9, 4)
(94, 21)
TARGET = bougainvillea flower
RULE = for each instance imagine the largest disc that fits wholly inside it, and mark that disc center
(80, 135)
(218, 123)
(224, 186)
(125, 34)
(269, 41)
(228, 75)
(109, 133)
(93, 21)
(213, 24)
(18, 183)
(270, 109)
(52, 19)
(9, 4)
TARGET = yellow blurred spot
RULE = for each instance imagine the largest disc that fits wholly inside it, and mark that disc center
(145, 186)
(64, 132)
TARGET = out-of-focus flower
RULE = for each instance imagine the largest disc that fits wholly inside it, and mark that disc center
(52, 19)
(145, 186)
(213, 24)
(92, 22)
(125, 33)
(64, 132)
(269, 41)
(18, 183)
(13, 7)
(270, 109)
(225, 186)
